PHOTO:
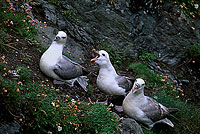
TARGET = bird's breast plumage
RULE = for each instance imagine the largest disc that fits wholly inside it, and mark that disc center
(48, 62)
(108, 85)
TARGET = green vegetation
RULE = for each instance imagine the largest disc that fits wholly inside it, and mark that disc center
(189, 7)
(117, 56)
(71, 15)
(142, 71)
(24, 74)
(17, 21)
(145, 56)
(56, 2)
(194, 52)
(90, 89)
(187, 120)
(50, 111)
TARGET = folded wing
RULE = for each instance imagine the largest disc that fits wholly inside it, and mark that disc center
(67, 69)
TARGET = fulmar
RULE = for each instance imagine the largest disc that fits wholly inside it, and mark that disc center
(59, 67)
(108, 81)
(145, 109)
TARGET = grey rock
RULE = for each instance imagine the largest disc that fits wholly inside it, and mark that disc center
(167, 33)
(187, 82)
(11, 128)
(130, 126)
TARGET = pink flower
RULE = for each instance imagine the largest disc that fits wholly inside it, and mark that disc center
(175, 81)
(30, 8)
(179, 89)
(10, 3)
(22, 6)
(158, 67)
(31, 21)
(11, 22)
(26, 4)
(13, 9)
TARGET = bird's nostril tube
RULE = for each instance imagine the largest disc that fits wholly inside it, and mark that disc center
(57, 37)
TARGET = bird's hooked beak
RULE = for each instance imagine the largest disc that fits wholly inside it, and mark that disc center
(136, 87)
(96, 58)
(56, 38)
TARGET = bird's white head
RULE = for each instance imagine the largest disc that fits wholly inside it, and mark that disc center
(102, 58)
(61, 38)
(138, 86)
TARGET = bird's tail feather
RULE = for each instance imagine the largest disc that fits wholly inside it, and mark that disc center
(165, 121)
(83, 82)
(173, 110)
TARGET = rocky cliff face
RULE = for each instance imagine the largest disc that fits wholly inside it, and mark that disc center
(158, 28)
(163, 30)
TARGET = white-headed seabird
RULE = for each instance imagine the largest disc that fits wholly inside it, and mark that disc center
(145, 109)
(59, 67)
(108, 81)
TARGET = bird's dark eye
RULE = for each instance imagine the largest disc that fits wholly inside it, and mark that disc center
(103, 54)
(63, 37)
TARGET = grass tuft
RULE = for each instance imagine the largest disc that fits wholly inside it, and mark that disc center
(194, 52)
(24, 74)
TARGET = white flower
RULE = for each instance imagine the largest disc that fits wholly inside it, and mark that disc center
(53, 103)
(196, 6)
(155, 97)
(73, 101)
(59, 128)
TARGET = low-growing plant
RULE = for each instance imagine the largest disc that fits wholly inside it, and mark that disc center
(56, 2)
(142, 71)
(57, 114)
(24, 74)
(10, 95)
(100, 119)
(3, 35)
(16, 20)
(189, 7)
(194, 52)
(117, 56)
(145, 56)
(71, 15)
(2, 68)
(90, 89)
(46, 111)
(153, 79)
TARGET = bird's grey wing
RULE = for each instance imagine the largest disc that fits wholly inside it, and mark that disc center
(124, 82)
(152, 109)
(84, 70)
(67, 69)
(66, 58)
